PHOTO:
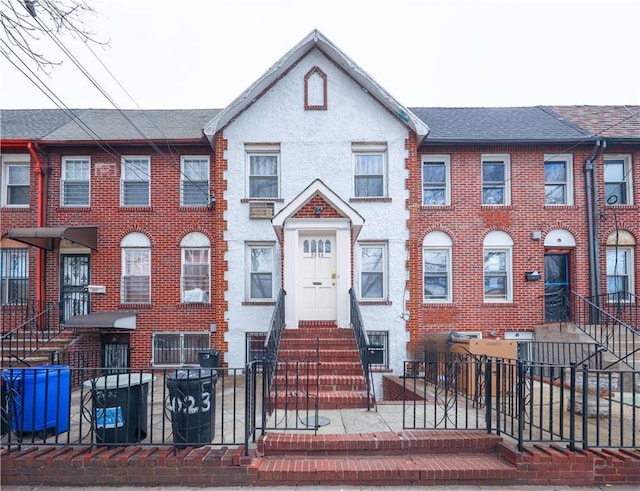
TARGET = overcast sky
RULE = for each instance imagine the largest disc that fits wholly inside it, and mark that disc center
(204, 53)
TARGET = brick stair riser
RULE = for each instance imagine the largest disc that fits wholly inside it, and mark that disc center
(319, 333)
(304, 383)
(325, 400)
(344, 369)
(323, 356)
(312, 344)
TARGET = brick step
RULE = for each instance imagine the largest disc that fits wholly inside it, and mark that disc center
(413, 442)
(323, 382)
(311, 344)
(405, 470)
(301, 400)
(326, 355)
(321, 332)
(324, 368)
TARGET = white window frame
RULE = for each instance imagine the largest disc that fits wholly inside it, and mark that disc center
(370, 149)
(504, 159)
(627, 181)
(132, 243)
(438, 242)
(567, 159)
(202, 185)
(136, 176)
(446, 161)
(629, 273)
(196, 242)
(181, 351)
(499, 243)
(15, 160)
(384, 272)
(250, 246)
(262, 151)
(64, 180)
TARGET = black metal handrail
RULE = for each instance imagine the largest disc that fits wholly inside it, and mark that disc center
(27, 326)
(272, 341)
(362, 340)
(624, 306)
(615, 336)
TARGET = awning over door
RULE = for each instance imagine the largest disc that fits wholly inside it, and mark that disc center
(48, 237)
(119, 319)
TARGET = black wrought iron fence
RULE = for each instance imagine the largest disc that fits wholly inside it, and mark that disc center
(531, 402)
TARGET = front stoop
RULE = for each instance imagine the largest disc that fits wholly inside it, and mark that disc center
(335, 377)
(385, 458)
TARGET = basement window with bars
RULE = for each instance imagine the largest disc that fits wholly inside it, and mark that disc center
(255, 350)
(177, 349)
(378, 349)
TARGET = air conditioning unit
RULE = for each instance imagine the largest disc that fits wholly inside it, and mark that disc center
(261, 209)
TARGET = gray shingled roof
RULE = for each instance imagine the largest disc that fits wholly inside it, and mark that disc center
(31, 124)
(110, 124)
(496, 124)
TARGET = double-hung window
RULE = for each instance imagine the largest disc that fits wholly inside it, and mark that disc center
(195, 268)
(14, 280)
(194, 181)
(558, 179)
(620, 269)
(373, 271)
(263, 171)
(260, 267)
(498, 248)
(435, 180)
(617, 180)
(437, 271)
(496, 189)
(136, 269)
(178, 348)
(135, 181)
(369, 170)
(15, 178)
(75, 181)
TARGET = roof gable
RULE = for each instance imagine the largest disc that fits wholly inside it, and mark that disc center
(315, 40)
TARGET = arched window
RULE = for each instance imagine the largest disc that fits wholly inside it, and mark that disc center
(498, 250)
(195, 278)
(436, 267)
(135, 285)
(620, 261)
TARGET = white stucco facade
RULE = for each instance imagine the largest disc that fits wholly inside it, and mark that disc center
(316, 145)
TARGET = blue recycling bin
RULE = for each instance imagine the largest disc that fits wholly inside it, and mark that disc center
(38, 399)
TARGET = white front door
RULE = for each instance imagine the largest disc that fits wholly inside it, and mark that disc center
(317, 252)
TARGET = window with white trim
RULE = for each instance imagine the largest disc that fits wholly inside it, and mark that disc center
(135, 181)
(617, 180)
(369, 170)
(14, 275)
(16, 175)
(497, 250)
(180, 348)
(263, 171)
(135, 286)
(437, 270)
(194, 181)
(496, 189)
(260, 271)
(558, 179)
(373, 271)
(620, 266)
(436, 188)
(195, 280)
(75, 181)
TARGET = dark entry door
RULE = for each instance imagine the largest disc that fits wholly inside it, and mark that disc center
(115, 357)
(74, 279)
(556, 287)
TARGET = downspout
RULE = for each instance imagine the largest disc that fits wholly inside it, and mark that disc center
(592, 218)
(40, 220)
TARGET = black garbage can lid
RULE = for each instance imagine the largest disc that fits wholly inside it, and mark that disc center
(193, 373)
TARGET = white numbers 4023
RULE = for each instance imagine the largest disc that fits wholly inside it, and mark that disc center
(189, 405)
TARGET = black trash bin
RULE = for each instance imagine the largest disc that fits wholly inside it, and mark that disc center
(192, 404)
(119, 407)
(209, 358)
